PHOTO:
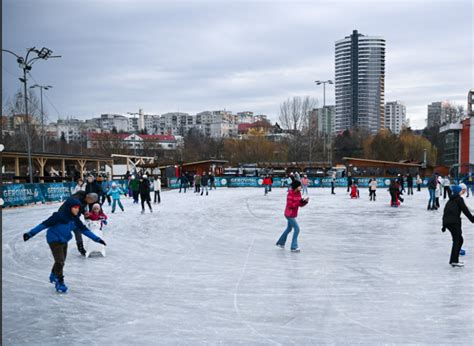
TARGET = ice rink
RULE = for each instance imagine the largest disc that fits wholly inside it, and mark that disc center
(205, 270)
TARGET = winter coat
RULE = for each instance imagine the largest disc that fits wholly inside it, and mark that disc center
(144, 187)
(61, 224)
(197, 180)
(453, 209)
(134, 184)
(93, 187)
(409, 180)
(419, 180)
(78, 188)
(305, 181)
(373, 185)
(183, 179)
(115, 193)
(157, 184)
(212, 178)
(394, 187)
(432, 183)
(293, 202)
(205, 180)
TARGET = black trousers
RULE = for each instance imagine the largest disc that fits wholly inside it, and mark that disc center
(456, 234)
(59, 251)
(145, 198)
(393, 196)
(418, 187)
(446, 192)
(372, 194)
(410, 190)
(332, 188)
(157, 197)
(105, 197)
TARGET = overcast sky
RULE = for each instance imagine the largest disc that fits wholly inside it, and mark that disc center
(118, 56)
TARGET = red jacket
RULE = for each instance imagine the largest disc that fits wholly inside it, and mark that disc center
(96, 217)
(267, 181)
(293, 202)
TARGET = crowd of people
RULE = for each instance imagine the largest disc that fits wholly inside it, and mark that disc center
(88, 198)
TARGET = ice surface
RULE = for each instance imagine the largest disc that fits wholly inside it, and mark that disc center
(204, 270)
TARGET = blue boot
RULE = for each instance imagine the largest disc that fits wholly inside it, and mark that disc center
(61, 286)
(53, 278)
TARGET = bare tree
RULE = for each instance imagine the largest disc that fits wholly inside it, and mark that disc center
(294, 113)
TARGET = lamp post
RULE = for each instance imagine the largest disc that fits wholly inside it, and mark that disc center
(324, 82)
(26, 63)
(41, 87)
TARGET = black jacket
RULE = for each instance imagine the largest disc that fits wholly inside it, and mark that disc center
(432, 183)
(94, 187)
(409, 180)
(205, 180)
(144, 187)
(452, 211)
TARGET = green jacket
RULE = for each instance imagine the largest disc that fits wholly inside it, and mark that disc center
(134, 183)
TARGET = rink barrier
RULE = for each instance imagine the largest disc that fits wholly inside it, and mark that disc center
(23, 194)
(279, 182)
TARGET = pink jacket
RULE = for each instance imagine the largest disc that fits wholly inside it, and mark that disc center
(293, 202)
(305, 181)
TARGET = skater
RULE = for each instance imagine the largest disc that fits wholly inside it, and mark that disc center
(212, 180)
(271, 183)
(418, 182)
(60, 225)
(333, 183)
(92, 186)
(97, 214)
(452, 222)
(85, 199)
(354, 191)
(438, 191)
(394, 193)
(105, 189)
(115, 192)
(410, 184)
(183, 182)
(401, 184)
(205, 184)
(304, 184)
(144, 190)
(432, 183)
(134, 186)
(266, 184)
(79, 187)
(197, 184)
(447, 186)
(372, 188)
(349, 181)
(157, 189)
(293, 202)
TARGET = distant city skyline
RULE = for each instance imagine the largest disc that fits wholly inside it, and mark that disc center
(119, 56)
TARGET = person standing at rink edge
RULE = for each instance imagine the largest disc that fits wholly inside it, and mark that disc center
(452, 221)
(293, 202)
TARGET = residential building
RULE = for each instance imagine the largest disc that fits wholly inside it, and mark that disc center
(395, 116)
(360, 82)
(324, 120)
(436, 114)
(133, 141)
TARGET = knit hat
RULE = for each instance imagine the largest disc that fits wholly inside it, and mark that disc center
(96, 206)
(295, 184)
(456, 189)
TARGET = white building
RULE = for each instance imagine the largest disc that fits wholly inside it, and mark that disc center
(112, 122)
(395, 116)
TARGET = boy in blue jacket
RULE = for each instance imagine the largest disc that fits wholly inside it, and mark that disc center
(60, 225)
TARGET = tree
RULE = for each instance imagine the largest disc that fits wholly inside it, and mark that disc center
(294, 113)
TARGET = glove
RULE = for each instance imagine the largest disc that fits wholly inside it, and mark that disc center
(443, 229)
(102, 242)
(26, 236)
(104, 222)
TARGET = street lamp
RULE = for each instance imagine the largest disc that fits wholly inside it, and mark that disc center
(324, 82)
(41, 87)
(26, 63)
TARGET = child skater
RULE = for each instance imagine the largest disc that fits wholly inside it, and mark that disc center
(115, 192)
(60, 225)
(293, 202)
(452, 221)
(97, 214)
(355, 190)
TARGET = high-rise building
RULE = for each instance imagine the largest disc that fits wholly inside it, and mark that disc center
(395, 116)
(435, 114)
(360, 82)
(323, 120)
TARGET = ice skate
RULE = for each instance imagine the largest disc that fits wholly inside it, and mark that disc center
(280, 246)
(80, 248)
(53, 278)
(143, 211)
(457, 264)
(296, 250)
(151, 210)
(61, 286)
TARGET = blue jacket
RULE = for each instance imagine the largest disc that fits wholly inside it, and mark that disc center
(115, 193)
(61, 224)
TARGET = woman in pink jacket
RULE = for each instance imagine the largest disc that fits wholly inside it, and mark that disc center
(293, 202)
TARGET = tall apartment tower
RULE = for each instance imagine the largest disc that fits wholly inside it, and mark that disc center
(395, 116)
(360, 82)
